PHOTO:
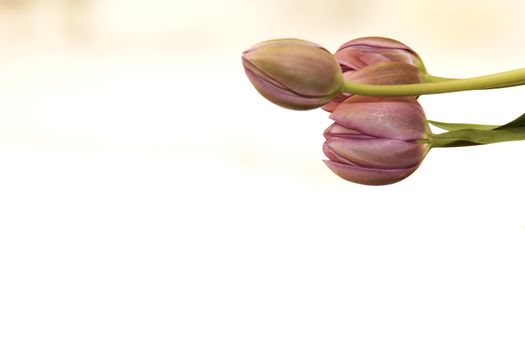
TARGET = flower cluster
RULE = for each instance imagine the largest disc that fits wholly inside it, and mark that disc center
(380, 134)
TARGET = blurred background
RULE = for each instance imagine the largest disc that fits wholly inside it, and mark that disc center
(151, 199)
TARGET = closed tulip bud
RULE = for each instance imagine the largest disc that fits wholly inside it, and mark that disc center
(376, 60)
(293, 73)
(359, 53)
(376, 140)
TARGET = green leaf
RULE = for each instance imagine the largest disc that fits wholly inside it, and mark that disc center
(461, 126)
(469, 137)
(516, 123)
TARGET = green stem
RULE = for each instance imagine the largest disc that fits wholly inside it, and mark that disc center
(435, 79)
(439, 85)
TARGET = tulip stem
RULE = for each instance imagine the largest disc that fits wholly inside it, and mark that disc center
(435, 79)
(439, 85)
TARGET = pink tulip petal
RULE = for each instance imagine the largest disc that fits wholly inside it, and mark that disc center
(283, 97)
(378, 153)
(399, 118)
(360, 52)
(367, 176)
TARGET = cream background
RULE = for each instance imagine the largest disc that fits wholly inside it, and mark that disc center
(151, 199)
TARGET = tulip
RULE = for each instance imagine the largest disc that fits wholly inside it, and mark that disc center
(359, 53)
(293, 73)
(364, 60)
(376, 140)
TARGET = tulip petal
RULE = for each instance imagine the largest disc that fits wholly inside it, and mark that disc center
(378, 153)
(336, 101)
(282, 97)
(399, 118)
(376, 42)
(358, 53)
(278, 42)
(334, 156)
(254, 71)
(388, 73)
(368, 176)
(336, 130)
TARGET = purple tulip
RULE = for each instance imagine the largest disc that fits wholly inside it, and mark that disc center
(359, 53)
(364, 60)
(293, 73)
(376, 140)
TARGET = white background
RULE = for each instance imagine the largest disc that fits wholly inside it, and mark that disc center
(151, 199)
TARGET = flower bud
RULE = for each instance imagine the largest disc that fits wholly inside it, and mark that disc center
(376, 140)
(364, 60)
(293, 73)
(361, 52)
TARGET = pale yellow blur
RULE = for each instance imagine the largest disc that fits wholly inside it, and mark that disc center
(80, 61)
